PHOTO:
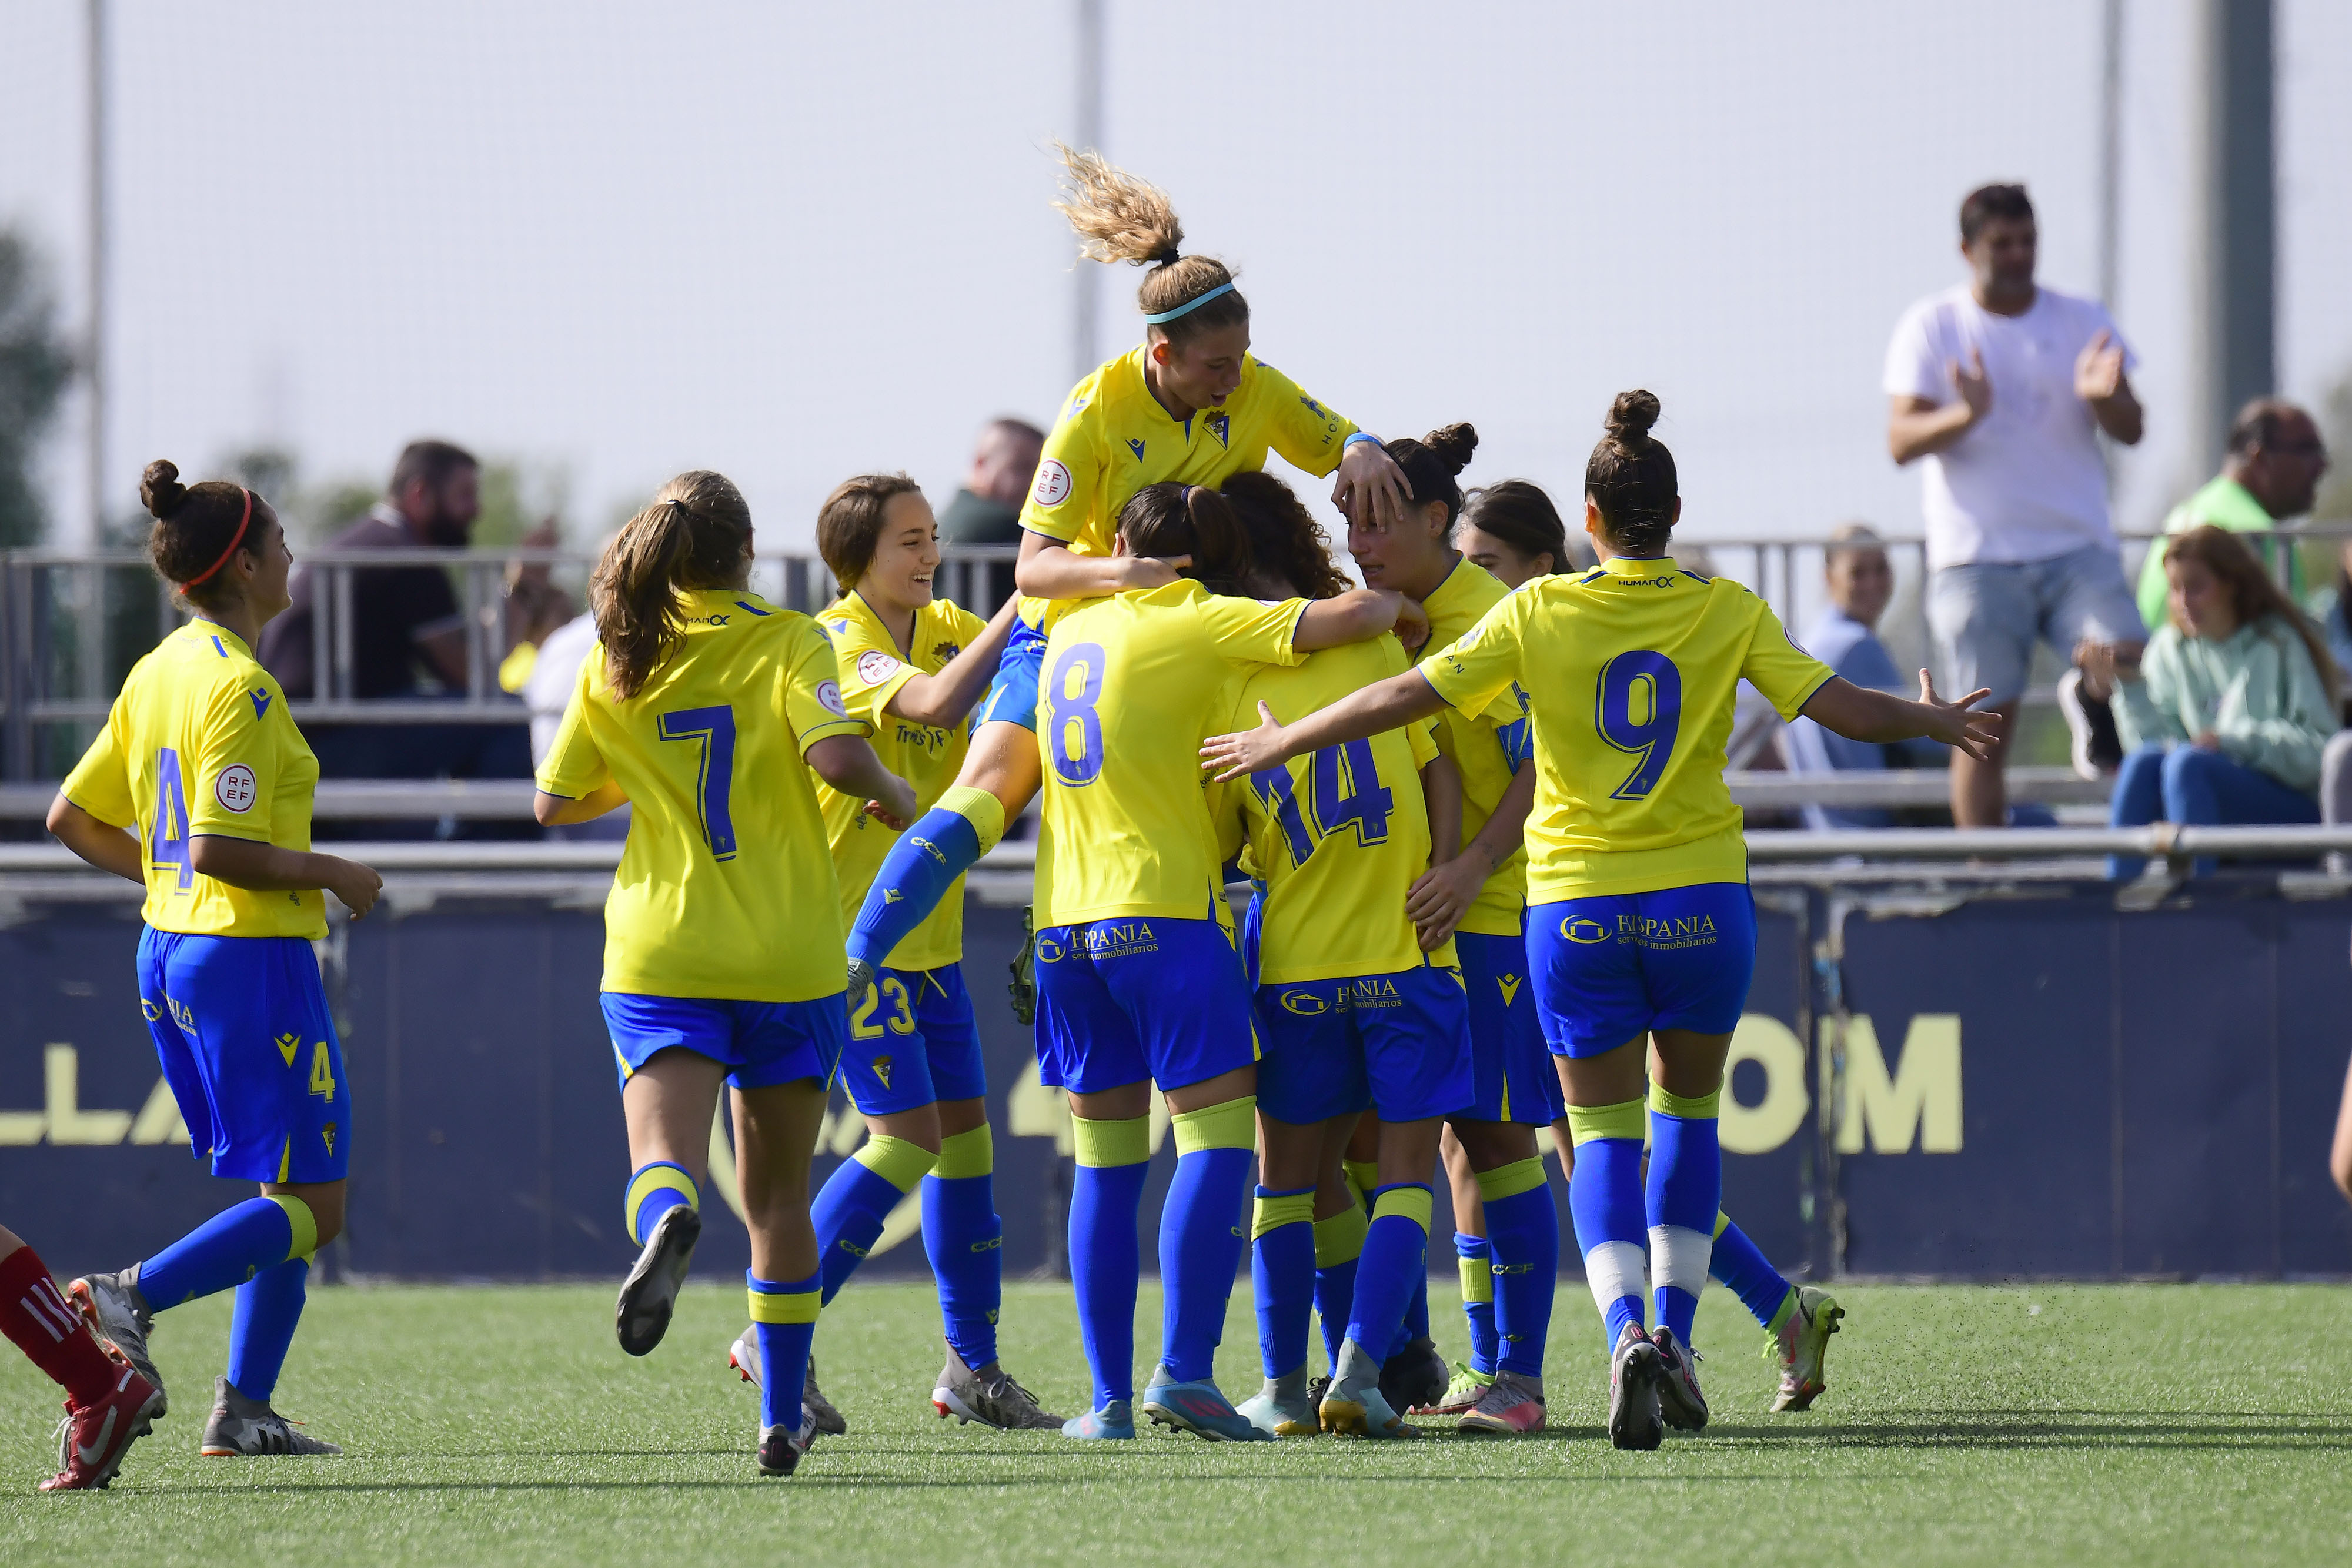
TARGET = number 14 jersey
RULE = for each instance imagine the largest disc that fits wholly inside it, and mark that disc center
(726, 889)
(1630, 670)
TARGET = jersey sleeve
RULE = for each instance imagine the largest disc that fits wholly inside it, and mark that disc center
(1479, 668)
(101, 782)
(233, 777)
(1914, 369)
(574, 767)
(869, 671)
(1252, 631)
(813, 702)
(1784, 672)
(1309, 436)
(1070, 477)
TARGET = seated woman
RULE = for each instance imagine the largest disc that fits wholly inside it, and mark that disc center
(2223, 718)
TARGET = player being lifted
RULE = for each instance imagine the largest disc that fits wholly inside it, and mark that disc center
(912, 665)
(200, 758)
(1190, 404)
(1138, 979)
(707, 710)
(1642, 933)
(1352, 1011)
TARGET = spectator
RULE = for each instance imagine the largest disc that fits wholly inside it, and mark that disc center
(2224, 715)
(986, 509)
(2002, 386)
(1860, 580)
(2269, 472)
(407, 634)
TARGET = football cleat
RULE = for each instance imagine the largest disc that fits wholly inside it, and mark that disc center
(92, 1439)
(1633, 1419)
(1462, 1394)
(1115, 1421)
(650, 1292)
(781, 1450)
(1513, 1403)
(119, 1315)
(743, 1355)
(1802, 1348)
(248, 1428)
(1414, 1375)
(1198, 1408)
(1270, 1413)
(997, 1403)
(1679, 1399)
(1371, 1415)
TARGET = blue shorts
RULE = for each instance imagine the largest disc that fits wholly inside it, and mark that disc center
(241, 1026)
(763, 1043)
(1399, 1044)
(1511, 1071)
(1012, 695)
(1611, 969)
(913, 1040)
(1122, 1000)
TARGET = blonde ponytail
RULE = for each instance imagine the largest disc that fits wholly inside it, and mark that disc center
(1119, 218)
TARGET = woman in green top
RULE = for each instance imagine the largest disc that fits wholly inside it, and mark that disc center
(2223, 718)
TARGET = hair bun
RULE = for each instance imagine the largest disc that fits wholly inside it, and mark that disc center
(1453, 446)
(159, 490)
(1630, 416)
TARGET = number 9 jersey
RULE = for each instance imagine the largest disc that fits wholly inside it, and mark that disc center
(1630, 670)
(726, 889)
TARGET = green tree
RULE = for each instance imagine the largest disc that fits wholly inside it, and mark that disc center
(36, 364)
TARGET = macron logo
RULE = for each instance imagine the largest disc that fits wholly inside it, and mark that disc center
(260, 702)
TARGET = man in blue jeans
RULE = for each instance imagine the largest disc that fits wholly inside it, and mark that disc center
(2003, 387)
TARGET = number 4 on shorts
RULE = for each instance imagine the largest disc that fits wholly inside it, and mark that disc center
(322, 1072)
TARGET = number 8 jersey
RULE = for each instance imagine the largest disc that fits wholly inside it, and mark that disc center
(726, 889)
(1630, 670)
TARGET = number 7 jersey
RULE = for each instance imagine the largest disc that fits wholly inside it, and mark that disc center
(726, 889)
(1630, 670)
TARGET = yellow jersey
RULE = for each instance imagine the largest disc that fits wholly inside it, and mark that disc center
(1629, 670)
(1133, 683)
(726, 888)
(1487, 748)
(1340, 836)
(925, 756)
(200, 742)
(1114, 438)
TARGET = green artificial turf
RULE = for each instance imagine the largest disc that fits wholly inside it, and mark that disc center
(2191, 1424)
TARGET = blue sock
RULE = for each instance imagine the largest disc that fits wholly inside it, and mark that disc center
(268, 1307)
(1474, 1259)
(1339, 1246)
(1105, 1246)
(228, 1249)
(857, 1200)
(965, 1242)
(1282, 1273)
(1604, 1199)
(654, 1190)
(915, 875)
(1683, 1197)
(1523, 1230)
(1200, 1244)
(784, 1314)
(1396, 1253)
(1739, 1263)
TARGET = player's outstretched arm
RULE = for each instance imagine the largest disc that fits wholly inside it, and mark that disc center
(1859, 713)
(945, 699)
(267, 868)
(103, 845)
(848, 763)
(562, 810)
(1383, 705)
(1358, 615)
(1047, 569)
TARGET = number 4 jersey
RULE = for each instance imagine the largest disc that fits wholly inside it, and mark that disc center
(200, 742)
(726, 889)
(1630, 670)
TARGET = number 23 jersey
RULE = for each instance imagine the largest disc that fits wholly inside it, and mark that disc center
(726, 888)
(1630, 670)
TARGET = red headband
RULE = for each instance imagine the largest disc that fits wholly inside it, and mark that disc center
(234, 540)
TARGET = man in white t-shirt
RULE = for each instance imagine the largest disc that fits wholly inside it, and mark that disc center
(2003, 386)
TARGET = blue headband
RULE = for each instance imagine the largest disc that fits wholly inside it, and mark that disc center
(1189, 305)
